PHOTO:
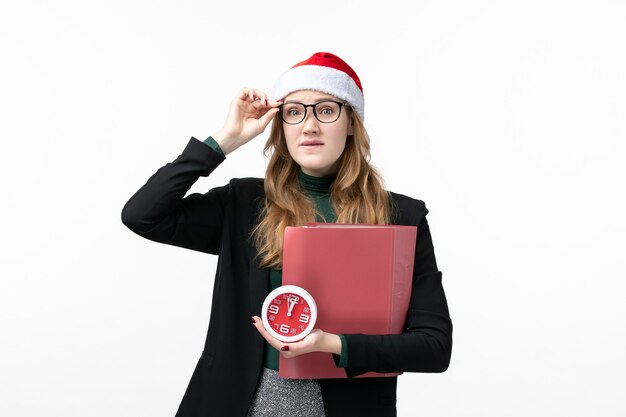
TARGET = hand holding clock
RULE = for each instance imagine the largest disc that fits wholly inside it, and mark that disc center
(316, 341)
(287, 322)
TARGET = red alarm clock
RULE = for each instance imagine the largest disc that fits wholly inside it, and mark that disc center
(289, 313)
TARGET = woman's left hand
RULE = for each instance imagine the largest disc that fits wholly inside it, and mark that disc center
(316, 341)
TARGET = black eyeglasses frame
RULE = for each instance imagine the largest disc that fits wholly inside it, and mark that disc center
(306, 110)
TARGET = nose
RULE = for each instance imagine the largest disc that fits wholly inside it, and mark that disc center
(310, 123)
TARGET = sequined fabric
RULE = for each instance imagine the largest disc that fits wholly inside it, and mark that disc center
(278, 397)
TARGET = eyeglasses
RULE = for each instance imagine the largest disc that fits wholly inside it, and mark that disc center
(325, 111)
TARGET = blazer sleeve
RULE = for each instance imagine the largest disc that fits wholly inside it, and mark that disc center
(159, 210)
(426, 342)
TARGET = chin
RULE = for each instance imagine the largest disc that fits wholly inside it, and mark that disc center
(316, 165)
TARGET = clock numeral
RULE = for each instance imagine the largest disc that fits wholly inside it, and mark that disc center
(294, 299)
(304, 318)
(284, 328)
(273, 309)
(306, 310)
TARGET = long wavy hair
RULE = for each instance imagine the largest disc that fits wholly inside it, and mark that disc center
(356, 196)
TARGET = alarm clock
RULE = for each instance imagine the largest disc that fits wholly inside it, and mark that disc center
(289, 313)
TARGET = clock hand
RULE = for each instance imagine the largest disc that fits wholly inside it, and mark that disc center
(292, 302)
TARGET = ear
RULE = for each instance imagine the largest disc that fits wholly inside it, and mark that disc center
(351, 127)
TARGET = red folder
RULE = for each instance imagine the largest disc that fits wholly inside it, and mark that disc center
(360, 276)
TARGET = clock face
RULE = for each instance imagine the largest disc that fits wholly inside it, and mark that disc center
(289, 313)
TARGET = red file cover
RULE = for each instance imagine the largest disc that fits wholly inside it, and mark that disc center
(360, 276)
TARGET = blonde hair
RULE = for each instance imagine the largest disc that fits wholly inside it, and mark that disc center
(357, 195)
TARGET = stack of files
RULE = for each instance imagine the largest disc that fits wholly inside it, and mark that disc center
(360, 276)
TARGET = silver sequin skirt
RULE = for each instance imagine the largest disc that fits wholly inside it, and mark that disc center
(278, 397)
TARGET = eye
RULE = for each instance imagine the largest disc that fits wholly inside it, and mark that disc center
(327, 110)
(293, 111)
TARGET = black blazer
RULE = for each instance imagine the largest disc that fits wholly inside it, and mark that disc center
(219, 222)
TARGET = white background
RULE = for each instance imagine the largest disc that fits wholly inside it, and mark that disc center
(506, 118)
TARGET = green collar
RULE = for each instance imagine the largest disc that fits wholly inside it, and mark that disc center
(315, 185)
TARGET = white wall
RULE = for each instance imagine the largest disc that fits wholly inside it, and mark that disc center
(506, 118)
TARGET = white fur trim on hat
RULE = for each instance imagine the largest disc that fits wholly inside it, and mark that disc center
(324, 79)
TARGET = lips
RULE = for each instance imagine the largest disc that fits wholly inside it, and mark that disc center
(311, 143)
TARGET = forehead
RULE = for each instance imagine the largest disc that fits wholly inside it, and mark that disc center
(308, 96)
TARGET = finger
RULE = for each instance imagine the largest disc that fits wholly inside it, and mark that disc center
(263, 97)
(244, 94)
(267, 117)
(259, 97)
(288, 350)
(293, 349)
(247, 94)
(306, 345)
(274, 103)
(258, 323)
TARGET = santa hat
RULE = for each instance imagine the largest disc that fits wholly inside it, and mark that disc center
(323, 72)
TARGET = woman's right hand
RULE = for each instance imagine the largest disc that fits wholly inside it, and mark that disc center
(249, 114)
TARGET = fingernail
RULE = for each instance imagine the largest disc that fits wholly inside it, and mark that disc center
(284, 348)
(280, 101)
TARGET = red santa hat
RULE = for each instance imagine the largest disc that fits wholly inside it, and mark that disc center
(323, 72)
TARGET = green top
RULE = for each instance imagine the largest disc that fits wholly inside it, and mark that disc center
(214, 145)
(319, 190)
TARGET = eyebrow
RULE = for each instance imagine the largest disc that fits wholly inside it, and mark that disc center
(318, 101)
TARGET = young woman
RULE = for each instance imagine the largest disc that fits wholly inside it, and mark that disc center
(318, 171)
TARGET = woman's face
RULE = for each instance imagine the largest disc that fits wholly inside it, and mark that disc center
(314, 145)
